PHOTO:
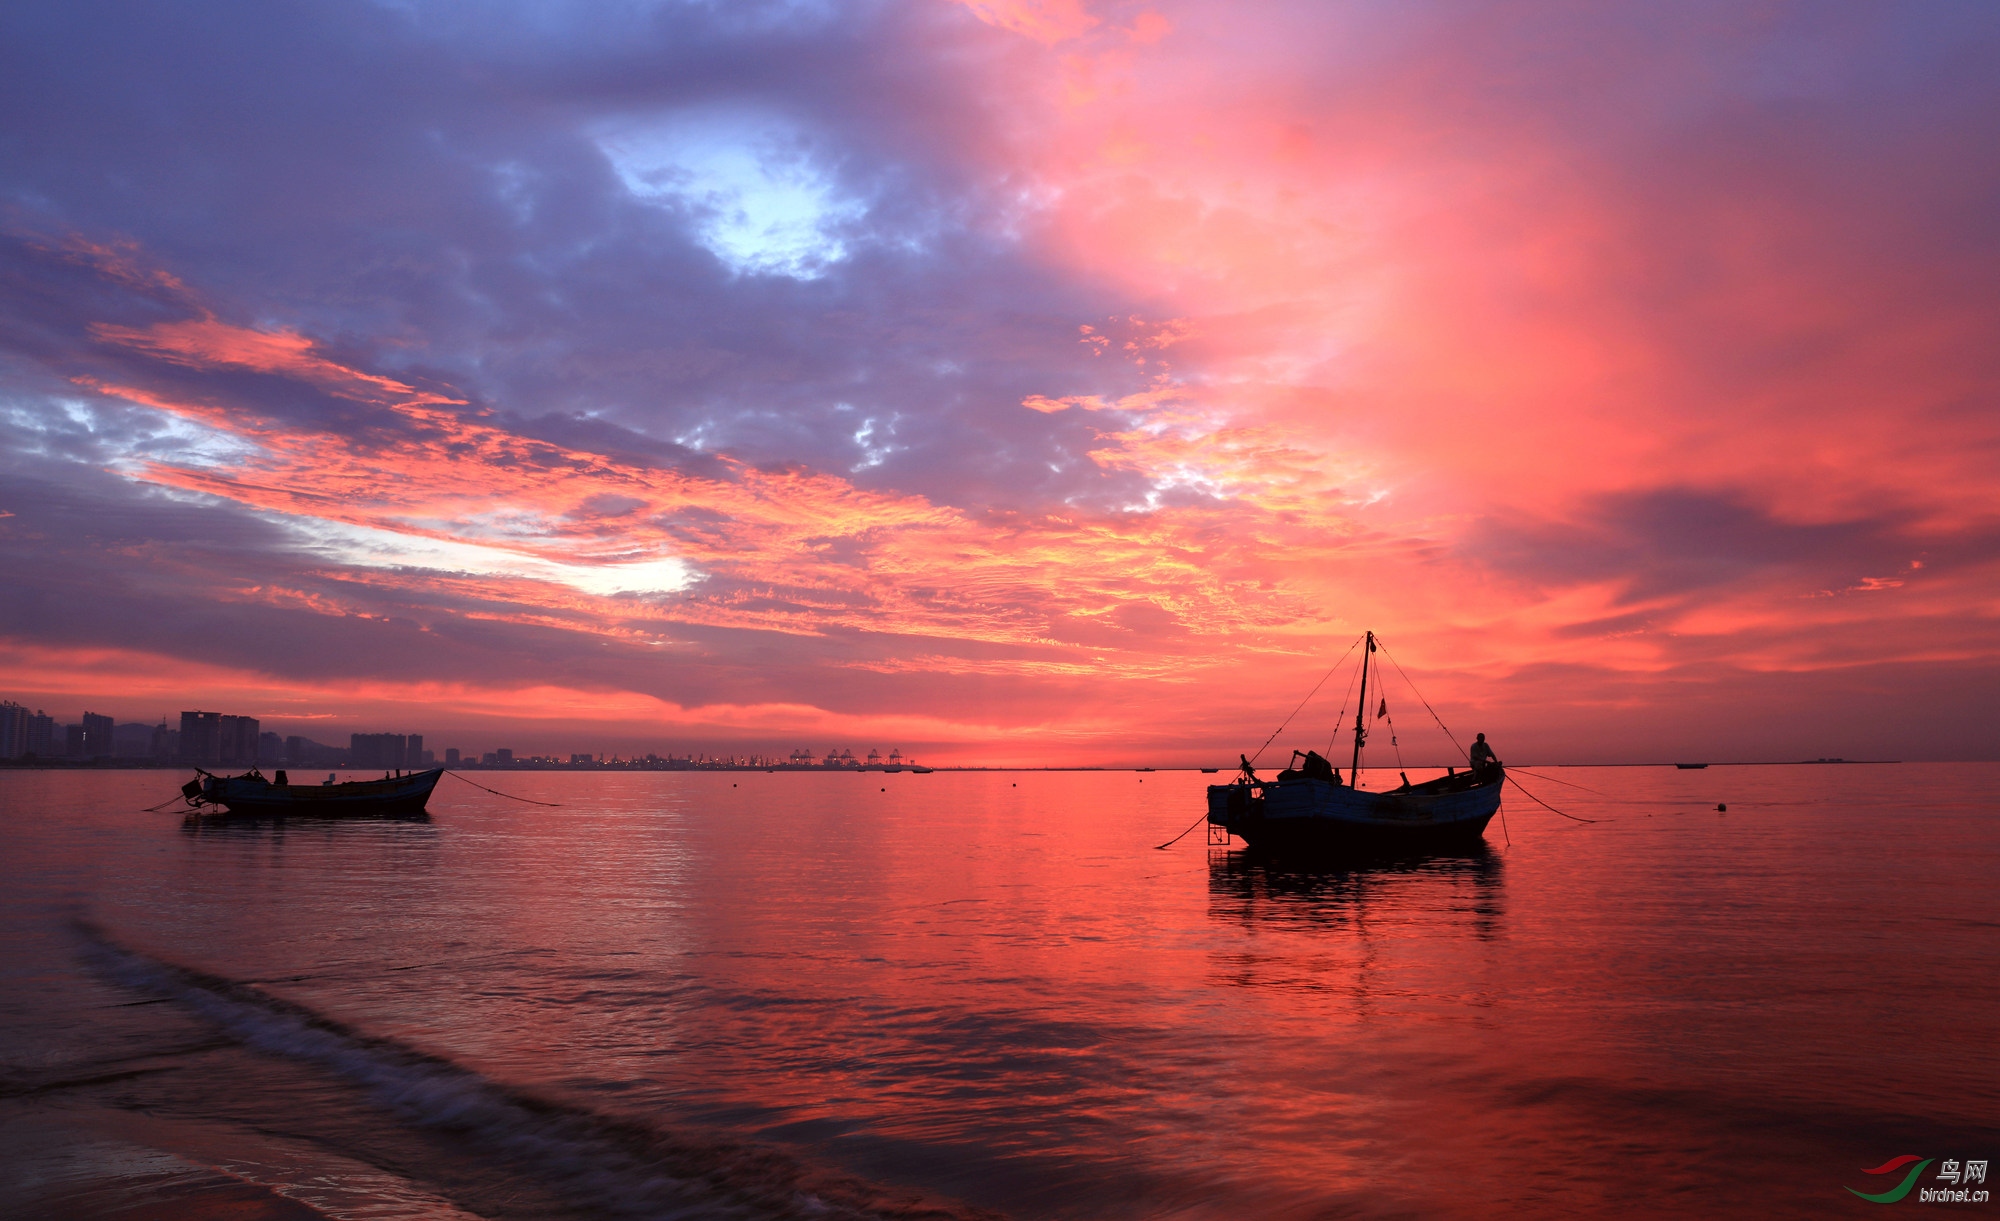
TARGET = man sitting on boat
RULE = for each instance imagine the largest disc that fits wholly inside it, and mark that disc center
(1482, 758)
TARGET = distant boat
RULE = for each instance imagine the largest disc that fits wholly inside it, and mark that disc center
(253, 794)
(1309, 809)
(1690, 767)
(1210, 771)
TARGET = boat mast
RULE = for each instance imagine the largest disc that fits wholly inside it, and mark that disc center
(1354, 767)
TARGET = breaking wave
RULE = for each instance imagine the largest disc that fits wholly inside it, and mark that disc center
(608, 1165)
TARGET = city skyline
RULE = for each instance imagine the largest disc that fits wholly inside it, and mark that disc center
(1027, 382)
(227, 740)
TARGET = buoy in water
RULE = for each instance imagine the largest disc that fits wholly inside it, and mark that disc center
(1722, 809)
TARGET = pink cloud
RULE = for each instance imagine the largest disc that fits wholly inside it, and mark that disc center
(1048, 21)
(1610, 366)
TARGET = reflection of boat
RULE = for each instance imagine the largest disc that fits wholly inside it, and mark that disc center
(1309, 809)
(1690, 767)
(1464, 881)
(252, 793)
(1243, 875)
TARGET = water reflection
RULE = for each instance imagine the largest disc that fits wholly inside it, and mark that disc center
(239, 826)
(961, 986)
(1464, 887)
(399, 834)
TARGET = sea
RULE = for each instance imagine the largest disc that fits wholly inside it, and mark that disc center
(988, 994)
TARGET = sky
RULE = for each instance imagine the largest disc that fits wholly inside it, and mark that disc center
(1007, 382)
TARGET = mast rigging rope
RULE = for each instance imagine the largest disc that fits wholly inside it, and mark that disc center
(1340, 716)
(1420, 695)
(1302, 703)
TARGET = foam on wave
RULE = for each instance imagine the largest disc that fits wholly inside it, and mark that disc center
(603, 1163)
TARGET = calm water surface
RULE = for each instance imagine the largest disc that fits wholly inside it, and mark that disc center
(981, 994)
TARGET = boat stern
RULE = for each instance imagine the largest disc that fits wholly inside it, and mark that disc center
(1232, 805)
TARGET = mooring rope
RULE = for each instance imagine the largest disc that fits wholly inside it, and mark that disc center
(554, 805)
(1546, 806)
(1537, 775)
(1183, 835)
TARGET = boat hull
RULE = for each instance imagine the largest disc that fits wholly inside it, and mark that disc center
(251, 796)
(1311, 815)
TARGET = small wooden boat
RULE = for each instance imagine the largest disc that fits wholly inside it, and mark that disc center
(253, 794)
(1309, 809)
(1690, 767)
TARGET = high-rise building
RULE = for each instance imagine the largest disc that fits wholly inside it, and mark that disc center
(201, 739)
(270, 748)
(96, 739)
(503, 757)
(13, 730)
(166, 742)
(413, 751)
(238, 739)
(42, 735)
(383, 750)
(451, 756)
(72, 742)
(25, 733)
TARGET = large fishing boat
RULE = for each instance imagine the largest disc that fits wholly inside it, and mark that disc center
(1308, 808)
(252, 793)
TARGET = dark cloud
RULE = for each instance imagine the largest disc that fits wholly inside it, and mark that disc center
(1676, 542)
(423, 191)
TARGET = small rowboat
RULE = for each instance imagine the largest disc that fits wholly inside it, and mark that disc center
(1308, 809)
(253, 794)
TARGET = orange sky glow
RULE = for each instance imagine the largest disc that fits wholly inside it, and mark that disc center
(1081, 406)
